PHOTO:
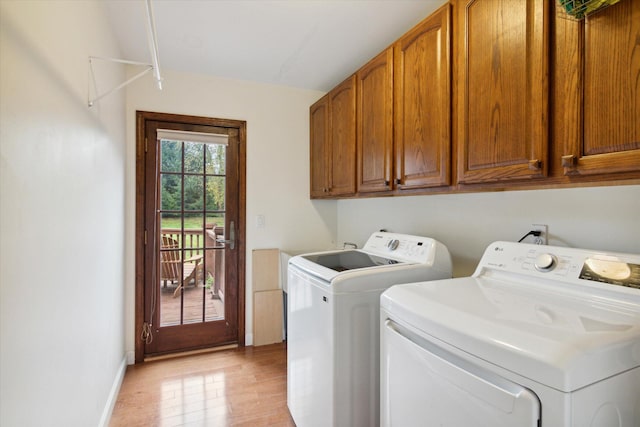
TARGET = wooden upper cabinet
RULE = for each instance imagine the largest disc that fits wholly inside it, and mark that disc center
(319, 147)
(502, 92)
(342, 133)
(497, 109)
(607, 47)
(422, 93)
(375, 124)
(332, 122)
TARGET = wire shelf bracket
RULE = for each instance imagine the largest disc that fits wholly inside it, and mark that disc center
(154, 66)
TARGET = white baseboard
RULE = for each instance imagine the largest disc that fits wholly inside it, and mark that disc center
(113, 394)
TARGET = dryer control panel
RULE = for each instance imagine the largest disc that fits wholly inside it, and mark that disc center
(563, 264)
(612, 272)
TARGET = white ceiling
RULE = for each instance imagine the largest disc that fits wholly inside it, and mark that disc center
(311, 44)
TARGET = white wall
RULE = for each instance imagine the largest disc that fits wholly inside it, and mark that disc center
(277, 163)
(61, 217)
(605, 218)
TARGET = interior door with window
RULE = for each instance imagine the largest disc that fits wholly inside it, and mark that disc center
(192, 198)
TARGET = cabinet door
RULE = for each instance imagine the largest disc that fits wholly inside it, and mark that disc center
(342, 125)
(611, 96)
(375, 123)
(503, 90)
(319, 147)
(422, 88)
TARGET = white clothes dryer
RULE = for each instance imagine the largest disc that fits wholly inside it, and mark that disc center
(538, 336)
(333, 324)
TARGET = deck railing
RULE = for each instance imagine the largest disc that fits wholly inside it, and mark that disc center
(194, 242)
(193, 239)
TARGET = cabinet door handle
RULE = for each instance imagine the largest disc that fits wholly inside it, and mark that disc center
(570, 164)
(386, 183)
(569, 161)
(398, 181)
(535, 164)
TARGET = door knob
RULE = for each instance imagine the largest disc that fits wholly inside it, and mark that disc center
(232, 237)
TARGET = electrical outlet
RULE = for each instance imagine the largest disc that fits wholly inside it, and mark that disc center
(542, 239)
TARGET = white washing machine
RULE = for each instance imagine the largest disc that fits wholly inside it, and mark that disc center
(538, 336)
(333, 324)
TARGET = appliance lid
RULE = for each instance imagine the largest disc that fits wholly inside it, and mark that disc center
(331, 265)
(348, 260)
(561, 339)
(383, 251)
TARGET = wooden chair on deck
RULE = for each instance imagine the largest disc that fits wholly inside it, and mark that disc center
(173, 268)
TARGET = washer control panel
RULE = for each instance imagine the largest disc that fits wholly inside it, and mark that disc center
(560, 263)
(393, 244)
(401, 246)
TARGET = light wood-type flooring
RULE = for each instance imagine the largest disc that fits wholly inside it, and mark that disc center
(236, 387)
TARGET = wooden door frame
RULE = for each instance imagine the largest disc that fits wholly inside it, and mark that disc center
(241, 126)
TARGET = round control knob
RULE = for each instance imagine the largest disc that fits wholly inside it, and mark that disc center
(393, 244)
(545, 262)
